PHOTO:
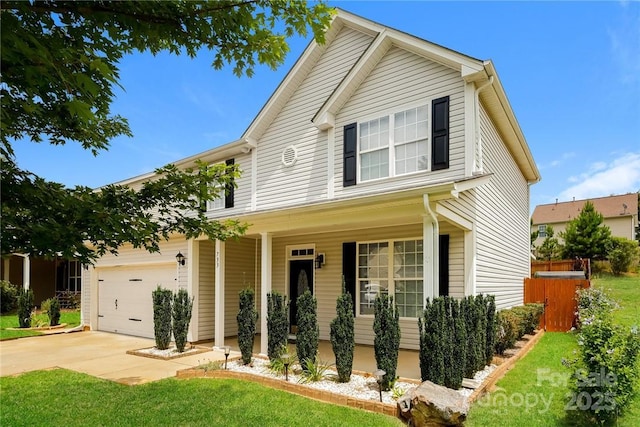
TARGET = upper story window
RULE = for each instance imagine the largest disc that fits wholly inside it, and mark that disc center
(542, 230)
(397, 144)
(225, 196)
(393, 145)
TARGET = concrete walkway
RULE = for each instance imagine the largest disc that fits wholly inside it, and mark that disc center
(100, 354)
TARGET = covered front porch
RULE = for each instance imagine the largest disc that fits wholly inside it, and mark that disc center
(422, 245)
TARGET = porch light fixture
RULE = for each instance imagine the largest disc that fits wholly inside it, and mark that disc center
(285, 360)
(379, 374)
(227, 351)
(180, 258)
(319, 261)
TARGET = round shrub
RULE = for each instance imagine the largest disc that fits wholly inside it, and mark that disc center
(8, 296)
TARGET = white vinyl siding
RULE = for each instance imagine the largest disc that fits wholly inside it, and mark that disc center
(307, 180)
(240, 273)
(241, 194)
(206, 291)
(503, 239)
(400, 80)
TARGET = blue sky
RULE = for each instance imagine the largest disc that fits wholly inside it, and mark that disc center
(571, 71)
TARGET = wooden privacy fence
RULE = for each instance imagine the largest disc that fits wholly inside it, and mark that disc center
(559, 299)
(562, 265)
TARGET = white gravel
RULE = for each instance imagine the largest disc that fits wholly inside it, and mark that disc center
(168, 353)
(360, 386)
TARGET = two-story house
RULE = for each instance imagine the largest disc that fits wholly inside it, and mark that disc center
(384, 159)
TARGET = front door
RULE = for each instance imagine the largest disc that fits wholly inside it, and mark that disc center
(300, 280)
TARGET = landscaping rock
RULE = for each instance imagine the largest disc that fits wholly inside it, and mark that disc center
(432, 405)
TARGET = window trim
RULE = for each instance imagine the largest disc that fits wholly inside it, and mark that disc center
(542, 230)
(390, 114)
(391, 280)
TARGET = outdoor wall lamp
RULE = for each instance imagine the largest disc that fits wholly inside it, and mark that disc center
(180, 258)
(319, 261)
(227, 351)
(378, 374)
(285, 360)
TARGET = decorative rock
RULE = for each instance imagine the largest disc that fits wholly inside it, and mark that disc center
(432, 405)
(471, 383)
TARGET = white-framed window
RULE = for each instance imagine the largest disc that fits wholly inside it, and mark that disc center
(542, 230)
(74, 281)
(394, 144)
(392, 267)
(217, 203)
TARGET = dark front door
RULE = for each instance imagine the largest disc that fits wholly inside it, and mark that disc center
(300, 279)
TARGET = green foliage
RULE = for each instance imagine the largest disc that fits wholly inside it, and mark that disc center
(528, 317)
(59, 70)
(308, 329)
(25, 305)
(162, 317)
(506, 331)
(343, 336)
(211, 365)
(386, 326)
(276, 365)
(8, 296)
(247, 317)
(550, 248)
(182, 306)
(313, 370)
(86, 224)
(277, 325)
(622, 253)
(491, 328)
(586, 236)
(607, 370)
(432, 353)
(51, 306)
(476, 336)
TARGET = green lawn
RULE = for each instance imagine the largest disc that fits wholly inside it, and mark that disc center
(42, 397)
(533, 392)
(71, 318)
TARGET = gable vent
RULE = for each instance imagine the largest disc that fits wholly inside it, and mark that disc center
(289, 156)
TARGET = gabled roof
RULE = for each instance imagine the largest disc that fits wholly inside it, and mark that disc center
(470, 69)
(609, 207)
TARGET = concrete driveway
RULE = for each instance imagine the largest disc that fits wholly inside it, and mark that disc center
(100, 354)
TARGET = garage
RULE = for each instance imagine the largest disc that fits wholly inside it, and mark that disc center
(125, 303)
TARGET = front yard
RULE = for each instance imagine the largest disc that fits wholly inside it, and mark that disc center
(534, 392)
(70, 317)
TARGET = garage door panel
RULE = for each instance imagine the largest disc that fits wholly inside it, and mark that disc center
(125, 297)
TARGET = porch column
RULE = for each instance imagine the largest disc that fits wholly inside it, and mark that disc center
(470, 261)
(6, 265)
(26, 271)
(265, 288)
(430, 236)
(193, 286)
(219, 294)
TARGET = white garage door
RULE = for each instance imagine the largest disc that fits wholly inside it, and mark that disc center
(125, 304)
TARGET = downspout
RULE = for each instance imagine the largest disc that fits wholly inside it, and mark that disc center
(477, 111)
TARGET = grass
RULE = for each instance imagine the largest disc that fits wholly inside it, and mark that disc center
(71, 318)
(42, 397)
(534, 392)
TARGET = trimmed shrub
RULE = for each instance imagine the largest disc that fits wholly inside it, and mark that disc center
(247, 318)
(456, 334)
(607, 369)
(491, 328)
(343, 336)
(308, 329)
(182, 306)
(430, 326)
(52, 307)
(8, 296)
(529, 317)
(475, 336)
(386, 326)
(277, 325)
(162, 317)
(507, 327)
(481, 311)
(25, 305)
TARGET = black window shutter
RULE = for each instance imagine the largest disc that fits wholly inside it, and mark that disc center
(350, 154)
(349, 270)
(443, 265)
(440, 133)
(228, 198)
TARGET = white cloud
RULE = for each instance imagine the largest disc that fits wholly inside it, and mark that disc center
(619, 176)
(558, 162)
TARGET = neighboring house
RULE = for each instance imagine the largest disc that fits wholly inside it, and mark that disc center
(383, 159)
(620, 215)
(46, 278)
